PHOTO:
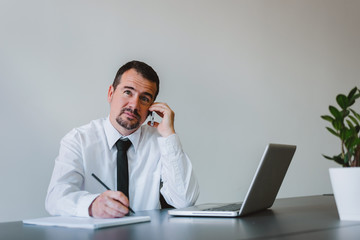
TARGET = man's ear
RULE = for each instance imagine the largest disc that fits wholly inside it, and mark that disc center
(110, 93)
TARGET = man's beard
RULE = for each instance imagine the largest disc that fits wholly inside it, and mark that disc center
(126, 123)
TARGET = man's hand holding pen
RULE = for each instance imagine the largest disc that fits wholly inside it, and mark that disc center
(109, 204)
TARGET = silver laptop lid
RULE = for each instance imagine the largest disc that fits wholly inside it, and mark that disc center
(268, 178)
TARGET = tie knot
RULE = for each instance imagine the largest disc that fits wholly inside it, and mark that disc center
(123, 144)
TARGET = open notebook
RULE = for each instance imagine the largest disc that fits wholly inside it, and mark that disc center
(262, 192)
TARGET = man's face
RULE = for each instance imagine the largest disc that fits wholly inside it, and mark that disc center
(130, 101)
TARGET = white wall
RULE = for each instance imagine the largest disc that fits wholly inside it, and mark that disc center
(238, 74)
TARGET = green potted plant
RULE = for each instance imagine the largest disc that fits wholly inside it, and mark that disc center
(345, 125)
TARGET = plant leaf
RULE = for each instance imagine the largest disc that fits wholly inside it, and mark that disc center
(357, 128)
(333, 131)
(354, 120)
(353, 142)
(355, 114)
(350, 124)
(352, 93)
(346, 159)
(348, 135)
(349, 143)
(357, 142)
(335, 112)
(337, 124)
(340, 161)
(327, 157)
(342, 100)
(327, 118)
(343, 133)
(352, 100)
(345, 113)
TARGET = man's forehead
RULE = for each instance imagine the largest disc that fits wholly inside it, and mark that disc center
(137, 82)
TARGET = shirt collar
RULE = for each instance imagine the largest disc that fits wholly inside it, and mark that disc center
(112, 135)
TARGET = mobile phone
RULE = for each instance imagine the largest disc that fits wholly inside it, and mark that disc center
(152, 118)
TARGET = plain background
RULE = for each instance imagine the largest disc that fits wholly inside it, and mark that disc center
(238, 74)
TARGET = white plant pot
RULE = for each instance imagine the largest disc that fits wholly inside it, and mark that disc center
(346, 192)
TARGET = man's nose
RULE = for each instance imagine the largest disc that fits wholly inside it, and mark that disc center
(134, 102)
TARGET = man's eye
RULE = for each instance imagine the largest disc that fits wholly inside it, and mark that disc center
(127, 92)
(145, 99)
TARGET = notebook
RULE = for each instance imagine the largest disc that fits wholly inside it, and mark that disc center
(85, 222)
(263, 188)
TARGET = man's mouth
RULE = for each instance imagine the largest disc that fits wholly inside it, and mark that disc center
(130, 114)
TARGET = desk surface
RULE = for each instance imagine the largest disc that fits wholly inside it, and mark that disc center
(313, 217)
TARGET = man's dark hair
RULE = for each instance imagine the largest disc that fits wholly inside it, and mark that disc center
(143, 69)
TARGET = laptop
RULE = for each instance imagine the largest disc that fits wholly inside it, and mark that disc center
(263, 188)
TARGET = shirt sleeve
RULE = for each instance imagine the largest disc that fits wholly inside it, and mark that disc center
(180, 187)
(65, 195)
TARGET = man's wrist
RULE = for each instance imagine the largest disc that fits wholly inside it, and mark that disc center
(90, 209)
(84, 203)
(169, 133)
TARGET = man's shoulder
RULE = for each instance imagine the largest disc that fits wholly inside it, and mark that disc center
(92, 128)
(94, 125)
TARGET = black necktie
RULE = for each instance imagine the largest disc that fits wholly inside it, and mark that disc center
(122, 166)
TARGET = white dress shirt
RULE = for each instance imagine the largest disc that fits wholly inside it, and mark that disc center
(151, 159)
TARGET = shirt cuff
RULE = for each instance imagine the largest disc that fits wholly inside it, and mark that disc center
(169, 145)
(84, 204)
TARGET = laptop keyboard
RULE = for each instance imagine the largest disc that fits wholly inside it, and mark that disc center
(229, 208)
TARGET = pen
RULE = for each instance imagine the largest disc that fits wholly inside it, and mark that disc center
(101, 182)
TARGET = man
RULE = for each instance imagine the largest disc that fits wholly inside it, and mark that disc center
(156, 162)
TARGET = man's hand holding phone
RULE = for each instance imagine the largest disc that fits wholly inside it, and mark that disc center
(166, 126)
